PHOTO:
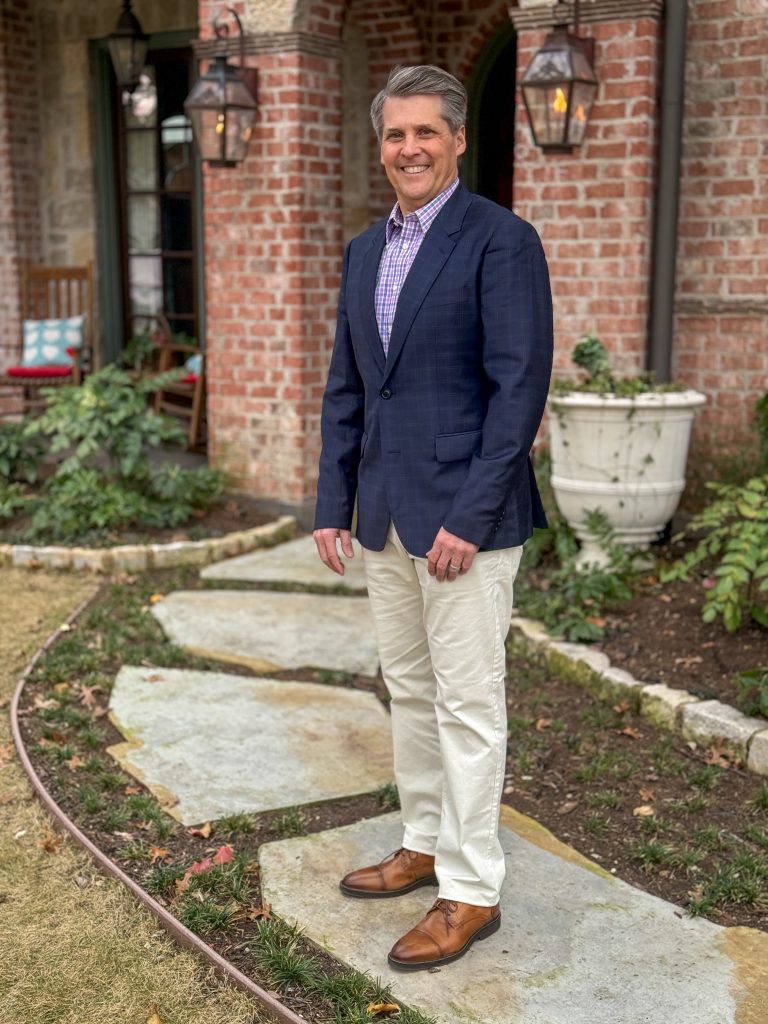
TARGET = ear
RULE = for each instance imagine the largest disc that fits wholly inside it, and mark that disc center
(461, 141)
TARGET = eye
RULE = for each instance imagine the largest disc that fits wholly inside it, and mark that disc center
(393, 136)
(426, 131)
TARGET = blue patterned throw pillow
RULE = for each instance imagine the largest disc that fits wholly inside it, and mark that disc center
(46, 341)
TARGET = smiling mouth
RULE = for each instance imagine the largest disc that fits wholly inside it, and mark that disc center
(417, 169)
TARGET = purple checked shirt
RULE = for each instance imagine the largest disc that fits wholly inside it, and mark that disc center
(404, 238)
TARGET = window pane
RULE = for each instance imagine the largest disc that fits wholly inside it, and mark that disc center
(141, 161)
(143, 224)
(146, 284)
(177, 223)
(179, 289)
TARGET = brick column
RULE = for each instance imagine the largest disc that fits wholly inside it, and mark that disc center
(594, 206)
(272, 267)
(20, 235)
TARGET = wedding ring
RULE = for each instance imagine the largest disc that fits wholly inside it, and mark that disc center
(454, 568)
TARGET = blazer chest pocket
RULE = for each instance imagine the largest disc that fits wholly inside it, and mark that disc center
(452, 447)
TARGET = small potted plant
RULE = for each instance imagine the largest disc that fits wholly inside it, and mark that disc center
(618, 446)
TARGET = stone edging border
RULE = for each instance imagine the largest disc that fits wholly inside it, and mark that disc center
(700, 721)
(174, 927)
(139, 557)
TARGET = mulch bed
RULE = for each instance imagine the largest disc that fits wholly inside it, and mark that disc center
(660, 638)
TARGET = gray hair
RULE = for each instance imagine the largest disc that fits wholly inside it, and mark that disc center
(423, 80)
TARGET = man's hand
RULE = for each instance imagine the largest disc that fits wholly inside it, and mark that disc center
(450, 556)
(326, 547)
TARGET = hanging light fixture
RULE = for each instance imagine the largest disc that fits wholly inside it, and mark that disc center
(128, 48)
(222, 104)
(559, 86)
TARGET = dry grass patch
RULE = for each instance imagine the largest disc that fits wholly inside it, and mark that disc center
(82, 948)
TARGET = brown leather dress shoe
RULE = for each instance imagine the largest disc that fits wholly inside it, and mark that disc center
(399, 873)
(445, 934)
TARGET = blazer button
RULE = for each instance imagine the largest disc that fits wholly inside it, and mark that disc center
(385, 393)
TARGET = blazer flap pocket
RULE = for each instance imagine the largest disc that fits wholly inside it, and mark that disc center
(451, 447)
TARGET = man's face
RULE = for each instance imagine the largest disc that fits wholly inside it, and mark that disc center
(418, 151)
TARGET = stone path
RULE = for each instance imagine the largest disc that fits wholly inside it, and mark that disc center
(577, 946)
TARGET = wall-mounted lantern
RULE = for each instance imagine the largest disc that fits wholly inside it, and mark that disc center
(128, 48)
(559, 86)
(222, 104)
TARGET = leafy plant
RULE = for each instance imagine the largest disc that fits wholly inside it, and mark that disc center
(736, 537)
(107, 481)
(138, 353)
(591, 355)
(12, 499)
(752, 686)
(20, 454)
(575, 598)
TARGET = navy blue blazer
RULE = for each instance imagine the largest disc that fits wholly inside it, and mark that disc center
(439, 432)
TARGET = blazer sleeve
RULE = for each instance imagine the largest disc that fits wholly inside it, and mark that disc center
(516, 313)
(341, 426)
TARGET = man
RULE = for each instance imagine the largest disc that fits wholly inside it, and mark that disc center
(435, 392)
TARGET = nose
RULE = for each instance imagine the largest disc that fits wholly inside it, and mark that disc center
(411, 145)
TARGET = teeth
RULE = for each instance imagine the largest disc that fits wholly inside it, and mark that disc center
(415, 170)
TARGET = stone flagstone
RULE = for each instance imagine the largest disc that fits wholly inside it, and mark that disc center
(270, 631)
(576, 946)
(295, 561)
(210, 744)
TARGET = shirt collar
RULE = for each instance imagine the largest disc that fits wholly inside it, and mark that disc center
(425, 215)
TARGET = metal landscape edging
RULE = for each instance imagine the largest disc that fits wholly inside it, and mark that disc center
(170, 923)
(140, 557)
(696, 720)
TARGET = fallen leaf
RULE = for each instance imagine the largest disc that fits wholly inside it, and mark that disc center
(61, 687)
(200, 866)
(262, 913)
(75, 762)
(697, 892)
(708, 645)
(156, 598)
(50, 841)
(204, 831)
(596, 620)
(720, 755)
(123, 835)
(568, 806)
(377, 1009)
(155, 677)
(6, 753)
(630, 731)
(145, 826)
(182, 884)
(666, 598)
(622, 707)
(154, 1014)
(224, 854)
(86, 695)
(41, 704)
(689, 660)
(542, 724)
(100, 711)
(644, 811)
(158, 853)
(4, 702)
(647, 795)
(132, 790)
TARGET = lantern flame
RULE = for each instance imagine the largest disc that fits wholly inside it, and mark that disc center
(560, 103)
(580, 115)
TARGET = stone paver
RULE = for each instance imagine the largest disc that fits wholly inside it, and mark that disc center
(576, 946)
(661, 704)
(708, 720)
(758, 753)
(210, 744)
(270, 631)
(293, 562)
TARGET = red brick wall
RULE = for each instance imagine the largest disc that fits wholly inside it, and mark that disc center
(20, 235)
(721, 326)
(594, 207)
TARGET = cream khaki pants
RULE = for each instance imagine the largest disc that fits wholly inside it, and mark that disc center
(441, 647)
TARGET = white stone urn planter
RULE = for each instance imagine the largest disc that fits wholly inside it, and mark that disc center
(623, 456)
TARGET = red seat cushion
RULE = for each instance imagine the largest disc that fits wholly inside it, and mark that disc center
(39, 371)
(191, 378)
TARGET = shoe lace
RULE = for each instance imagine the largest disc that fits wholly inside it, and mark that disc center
(447, 908)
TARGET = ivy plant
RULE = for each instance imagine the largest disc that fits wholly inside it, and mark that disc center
(735, 527)
(20, 453)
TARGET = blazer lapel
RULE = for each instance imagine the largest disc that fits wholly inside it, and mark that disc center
(435, 249)
(366, 296)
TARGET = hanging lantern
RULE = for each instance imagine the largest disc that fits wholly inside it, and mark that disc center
(222, 105)
(128, 48)
(559, 88)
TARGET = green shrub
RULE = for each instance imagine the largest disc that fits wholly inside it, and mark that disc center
(106, 481)
(20, 454)
(752, 686)
(761, 408)
(735, 527)
(12, 500)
